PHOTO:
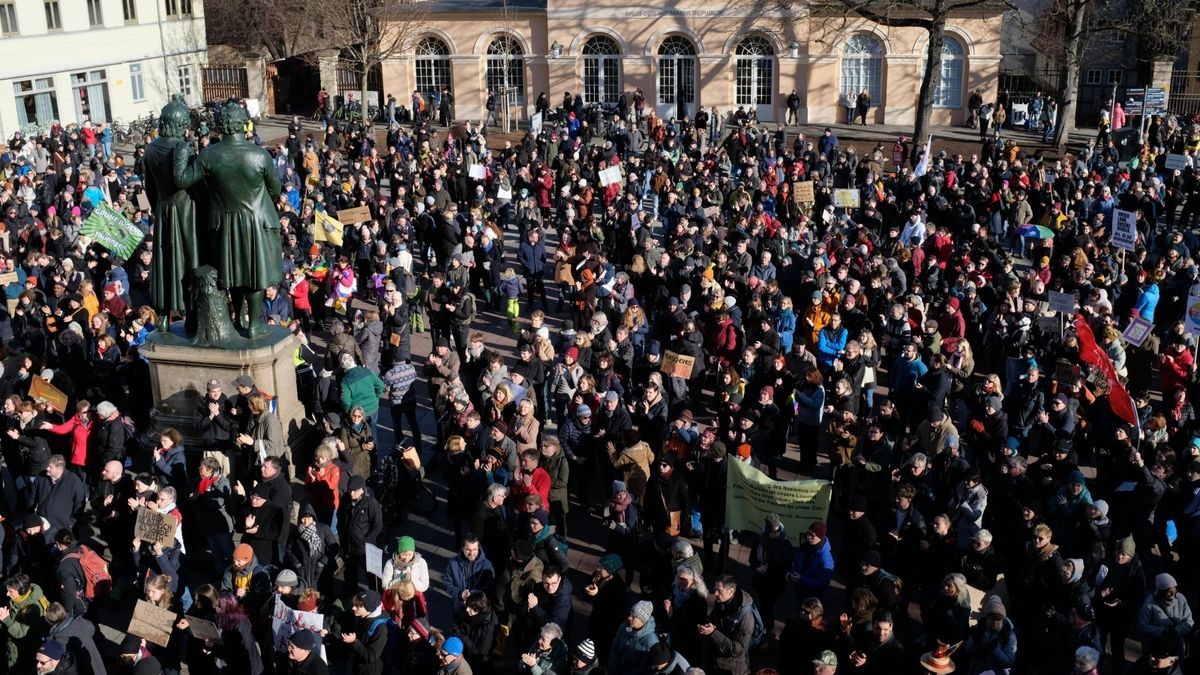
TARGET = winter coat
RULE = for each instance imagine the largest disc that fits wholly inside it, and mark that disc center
(362, 387)
(986, 649)
(815, 567)
(631, 649)
(468, 575)
(727, 651)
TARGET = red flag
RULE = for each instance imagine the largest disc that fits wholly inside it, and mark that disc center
(1092, 354)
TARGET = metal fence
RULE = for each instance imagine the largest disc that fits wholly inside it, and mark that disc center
(221, 83)
(1023, 85)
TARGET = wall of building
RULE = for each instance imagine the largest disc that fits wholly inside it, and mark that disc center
(813, 69)
(160, 47)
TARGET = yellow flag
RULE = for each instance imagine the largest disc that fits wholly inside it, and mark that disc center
(328, 229)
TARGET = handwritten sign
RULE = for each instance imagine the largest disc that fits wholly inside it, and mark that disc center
(202, 629)
(155, 527)
(358, 214)
(9, 278)
(375, 560)
(611, 176)
(285, 621)
(152, 623)
(678, 365)
(846, 199)
(803, 192)
(1124, 235)
(1062, 302)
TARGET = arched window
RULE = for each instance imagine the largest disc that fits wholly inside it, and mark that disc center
(950, 85)
(754, 71)
(677, 74)
(506, 68)
(601, 70)
(432, 65)
(862, 68)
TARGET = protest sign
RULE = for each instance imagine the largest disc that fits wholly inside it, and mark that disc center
(712, 212)
(750, 496)
(535, 123)
(9, 278)
(1124, 234)
(152, 623)
(358, 214)
(325, 228)
(803, 191)
(610, 176)
(203, 630)
(678, 365)
(1137, 331)
(1175, 161)
(1191, 315)
(1062, 302)
(143, 201)
(503, 192)
(109, 229)
(375, 560)
(41, 391)
(477, 171)
(285, 621)
(155, 527)
(846, 199)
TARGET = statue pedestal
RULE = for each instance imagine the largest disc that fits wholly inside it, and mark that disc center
(180, 372)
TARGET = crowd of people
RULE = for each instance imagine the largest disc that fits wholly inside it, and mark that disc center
(1015, 489)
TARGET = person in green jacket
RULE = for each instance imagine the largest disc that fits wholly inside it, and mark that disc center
(23, 623)
(361, 387)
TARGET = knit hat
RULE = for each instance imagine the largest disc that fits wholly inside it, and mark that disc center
(370, 600)
(1164, 581)
(858, 504)
(1127, 546)
(1102, 507)
(872, 558)
(356, 483)
(612, 563)
(619, 486)
(686, 416)
(501, 426)
(1076, 478)
(573, 353)
(818, 528)
(243, 552)
(287, 578)
(585, 651)
(304, 639)
(642, 610)
(660, 654)
(772, 523)
(453, 646)
(541, 516)
(53, 649)
(406, 544)
(993, 402)
(261, 490)
(583, 410)
(994, 605)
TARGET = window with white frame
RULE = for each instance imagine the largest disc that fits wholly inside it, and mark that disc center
(177, 8)
(1093, 76)
(8, 18)
(137, 83)
(754, 71)
(37, 102)
(95, 15)
(506, 68)
(601, 70)
(948, 93)
(676, 71)
(129, 8)
(185, 82)
(53, 15)
(862, 68)
(432, 65)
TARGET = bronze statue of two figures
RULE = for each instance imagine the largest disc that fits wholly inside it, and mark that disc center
(216, 228)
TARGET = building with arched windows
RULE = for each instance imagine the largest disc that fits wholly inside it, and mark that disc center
(683, 56)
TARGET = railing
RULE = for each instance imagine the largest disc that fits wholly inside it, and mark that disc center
(222, 83)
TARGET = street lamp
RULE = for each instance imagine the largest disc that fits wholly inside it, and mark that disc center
(555, 50)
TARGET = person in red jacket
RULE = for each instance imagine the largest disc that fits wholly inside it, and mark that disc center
(722, 340)
(530, 479)
(1177, 366)
(80, 428)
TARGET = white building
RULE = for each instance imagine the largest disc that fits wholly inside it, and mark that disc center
(77, 60)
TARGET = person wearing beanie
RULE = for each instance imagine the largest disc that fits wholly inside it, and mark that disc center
(858, 534)
(246, 578)
(992, 642)
(360, 522)
(631, 647)
(304, 654)
(1164, 613)
(812, 565)
(771, 560)
(1120, 593)
(584, 659)
(606, 591)
(262, 524)
(367, 636)
(667, 500)
(451, 657)
(406, 564)
(663, 660)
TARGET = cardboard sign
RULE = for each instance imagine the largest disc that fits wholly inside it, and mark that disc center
(358, 214)
(152, 623)
(9, 278)
(1124, 234)
(846, 199)
(143, 201)
(803, 192)
(327, 229)
(375, 560)
(42, 391)
(1137, 331)
(678, 365)
(477, 171)
(285, 621)
(155, 527)
(203, 630)
(1062, 302)
(610, 176)
(1175, 161)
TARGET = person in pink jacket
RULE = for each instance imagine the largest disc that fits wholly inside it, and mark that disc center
(80, 428)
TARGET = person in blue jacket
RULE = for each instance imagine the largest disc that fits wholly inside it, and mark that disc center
(1147, 300)
(812, 567)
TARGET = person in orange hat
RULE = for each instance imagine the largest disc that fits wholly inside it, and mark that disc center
(245, 578)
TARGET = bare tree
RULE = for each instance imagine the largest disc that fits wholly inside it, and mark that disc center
(284, 28)
(932, 16)
(369, 32)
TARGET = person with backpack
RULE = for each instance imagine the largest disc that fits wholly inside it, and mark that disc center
(367, 634)
(82, 573)
(733, 628)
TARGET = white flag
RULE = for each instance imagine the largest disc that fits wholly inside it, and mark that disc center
(923, 165)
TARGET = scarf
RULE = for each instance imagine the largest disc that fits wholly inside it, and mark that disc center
(206, 483)
(316, 547)
(617, 506)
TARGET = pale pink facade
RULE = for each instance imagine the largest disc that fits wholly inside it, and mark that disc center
(716, 54)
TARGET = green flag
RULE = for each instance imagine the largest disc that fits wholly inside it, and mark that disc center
(107, 227)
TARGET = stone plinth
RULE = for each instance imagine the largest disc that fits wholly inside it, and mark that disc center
(179, 373)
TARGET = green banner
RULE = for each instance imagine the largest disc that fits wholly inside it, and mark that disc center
(750, 495)
(109, 228)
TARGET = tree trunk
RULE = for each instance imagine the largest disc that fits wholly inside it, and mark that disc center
(363, 86)
(1068, 88)
(929, 80)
